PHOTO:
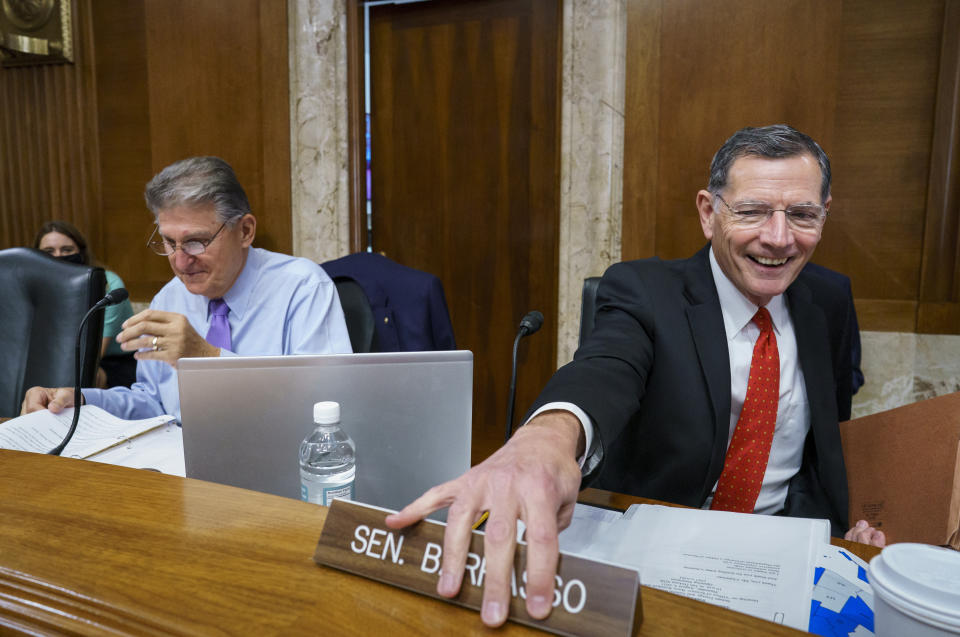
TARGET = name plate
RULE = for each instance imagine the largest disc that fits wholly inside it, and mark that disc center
(590, 598)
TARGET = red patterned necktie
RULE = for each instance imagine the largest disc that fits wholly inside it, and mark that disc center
(746, 460)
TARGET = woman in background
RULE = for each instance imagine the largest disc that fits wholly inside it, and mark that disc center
(63, 241)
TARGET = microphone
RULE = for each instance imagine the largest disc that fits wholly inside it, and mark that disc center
(530, 323)
(112, 298)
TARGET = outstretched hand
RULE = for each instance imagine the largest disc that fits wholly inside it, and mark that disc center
(534, 477)
(163, 336)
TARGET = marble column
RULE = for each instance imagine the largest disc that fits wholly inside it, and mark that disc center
(318, 128)
(591, 147)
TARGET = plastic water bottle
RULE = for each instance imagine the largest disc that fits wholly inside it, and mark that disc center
(328, 458)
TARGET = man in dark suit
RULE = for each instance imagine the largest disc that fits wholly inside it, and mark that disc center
(715, 381)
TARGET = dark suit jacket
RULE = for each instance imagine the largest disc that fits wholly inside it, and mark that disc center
(855, 349)
(654, 376)
(409, 307)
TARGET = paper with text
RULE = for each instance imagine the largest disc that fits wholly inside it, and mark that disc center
(97, 430)
(755, 564)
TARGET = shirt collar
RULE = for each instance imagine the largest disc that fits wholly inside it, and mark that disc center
(737, 310)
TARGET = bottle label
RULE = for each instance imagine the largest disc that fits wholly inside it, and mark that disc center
(343, 492)
(324, 493)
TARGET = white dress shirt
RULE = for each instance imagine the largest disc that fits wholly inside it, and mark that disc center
(278, 305)
(793, 410)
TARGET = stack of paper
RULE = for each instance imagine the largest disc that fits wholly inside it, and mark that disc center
(756, 564)
(100, 436)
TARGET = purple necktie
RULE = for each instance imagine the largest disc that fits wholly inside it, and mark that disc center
(219, 333)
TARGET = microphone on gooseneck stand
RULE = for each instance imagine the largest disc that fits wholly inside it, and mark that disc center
(529, 324)
(112, 298)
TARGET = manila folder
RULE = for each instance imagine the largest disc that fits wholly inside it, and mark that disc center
(903, 468)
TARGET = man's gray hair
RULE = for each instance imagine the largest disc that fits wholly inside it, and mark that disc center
(778, 141)
(198, 181)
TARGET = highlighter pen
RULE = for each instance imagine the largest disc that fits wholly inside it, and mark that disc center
(479, 523)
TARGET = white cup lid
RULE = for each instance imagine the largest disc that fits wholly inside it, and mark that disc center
(924, 578)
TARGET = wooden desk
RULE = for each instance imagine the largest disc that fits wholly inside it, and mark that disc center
(95, 549)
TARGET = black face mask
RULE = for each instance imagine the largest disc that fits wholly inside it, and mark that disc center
(76, 257)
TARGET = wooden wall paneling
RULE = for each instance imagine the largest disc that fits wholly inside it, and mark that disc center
(465, 118)
(641, 137)
(939, 309)
(356, 127)
(886, 315)
(125, 148)
(48, 143)
(863, 82)
(218, 85)
(275, 212)
(725, 65)
(884, 114)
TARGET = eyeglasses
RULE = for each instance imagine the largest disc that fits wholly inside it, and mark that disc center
(804, 217)
(194, 247)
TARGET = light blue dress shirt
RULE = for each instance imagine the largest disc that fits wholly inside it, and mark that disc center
(278, 305)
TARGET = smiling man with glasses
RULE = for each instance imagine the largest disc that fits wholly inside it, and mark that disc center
(227, 297)
(716, 381)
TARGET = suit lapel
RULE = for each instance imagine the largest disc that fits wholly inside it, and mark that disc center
(810, 327)
(706, 327)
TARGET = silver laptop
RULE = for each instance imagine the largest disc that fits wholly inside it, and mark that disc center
(409, 414)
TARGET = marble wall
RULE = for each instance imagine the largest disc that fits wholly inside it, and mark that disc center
(317, 32)
(591, 149)
(902, 368)
(899, 368)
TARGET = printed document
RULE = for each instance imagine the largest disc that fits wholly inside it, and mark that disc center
(97, 430)
(760, 565)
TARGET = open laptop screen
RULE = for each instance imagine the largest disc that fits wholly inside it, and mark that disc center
(409, 414)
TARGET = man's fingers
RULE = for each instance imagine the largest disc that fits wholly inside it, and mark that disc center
(879, 539)
(436, 498)
(865, 534)
(149, 315)
(35, 399)
(499, 543)
(145, 328)
(542, 558)
(60, 399)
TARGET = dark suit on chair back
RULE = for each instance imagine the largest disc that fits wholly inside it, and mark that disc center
(42, 301)
(409, 307)
(654, 377)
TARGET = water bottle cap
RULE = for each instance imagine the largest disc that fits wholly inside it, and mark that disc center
(326, 412)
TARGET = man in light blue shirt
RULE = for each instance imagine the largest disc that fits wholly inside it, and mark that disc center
(274, 304)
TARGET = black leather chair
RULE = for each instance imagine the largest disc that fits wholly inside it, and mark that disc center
(42, 301)
(588, 307)
(359, 315)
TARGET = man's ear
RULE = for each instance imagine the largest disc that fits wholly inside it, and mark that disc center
(707, 212)
(826, 204)
(248, 229)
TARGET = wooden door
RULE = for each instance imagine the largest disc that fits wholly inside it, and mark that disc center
(465, 176)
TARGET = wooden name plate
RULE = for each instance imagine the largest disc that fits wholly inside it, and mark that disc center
(590, 598)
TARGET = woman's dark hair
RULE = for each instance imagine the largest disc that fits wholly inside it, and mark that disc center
(67, 229)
